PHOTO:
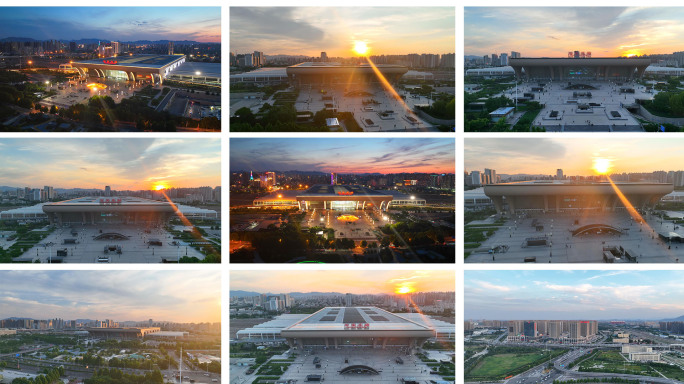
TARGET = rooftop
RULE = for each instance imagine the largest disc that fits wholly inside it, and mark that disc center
(340, 318)
(333, 190)
(140, 61)
(316, 64)
(190, 68)
(98, 200)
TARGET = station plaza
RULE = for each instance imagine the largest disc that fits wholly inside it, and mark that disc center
(339, 88)
(554, 222)
(580, 95)
(353, 344)
(109, 230)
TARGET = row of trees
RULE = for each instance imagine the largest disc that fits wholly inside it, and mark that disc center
(667, 104)
(48, 376)
(443, 108)
(116, 376)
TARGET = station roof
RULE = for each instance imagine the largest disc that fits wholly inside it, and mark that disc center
(340, 318)
(316, 64)
(190, 68)
(135, 61)
(280, 195)
(99, 200)
(325, 190)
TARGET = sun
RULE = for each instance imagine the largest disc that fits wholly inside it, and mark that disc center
(360, 47)
(602, 166)
(159, 187)
(404, 289)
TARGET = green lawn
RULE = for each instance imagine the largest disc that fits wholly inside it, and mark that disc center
(612, 362)
(498, 366)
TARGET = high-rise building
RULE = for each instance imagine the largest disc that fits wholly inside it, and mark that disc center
(559, 174)
(348, 300)
(530, 329)
(475, 178)
(116, 47)
(324, 56)
(503, 59)
(170, 47)
(555, 329)
(108, 191)
(515, 55)
(49, 192)
(490, 175)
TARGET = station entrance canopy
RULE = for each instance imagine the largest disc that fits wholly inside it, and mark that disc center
(566, 69)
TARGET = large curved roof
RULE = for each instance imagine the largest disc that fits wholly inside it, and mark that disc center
(98, 204)
(309, 68)
(129, 62)
(612, 61)
(551, 188)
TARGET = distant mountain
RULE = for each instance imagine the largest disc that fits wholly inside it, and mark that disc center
(240, 293)
(20, 39)
(18, 318)
(680, 318)
(6, 188)
(305, 294)
(95, 41)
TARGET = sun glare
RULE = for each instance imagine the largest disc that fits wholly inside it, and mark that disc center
(404, 289)
(159, 187)
(632, 53)
(360, 48)
(602, 166)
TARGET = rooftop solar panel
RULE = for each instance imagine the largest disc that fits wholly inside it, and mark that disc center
(352, 315)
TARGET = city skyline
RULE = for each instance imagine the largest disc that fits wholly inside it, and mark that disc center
(344, 155)
(336, 30)
(574, 156)
(355, 282)
(201, 24)
(183, 297)
(554, 31)
(122, 164)
(573, 295)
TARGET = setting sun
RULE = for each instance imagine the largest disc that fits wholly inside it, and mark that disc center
(404, 289)
(159, 187)
(360, 48)
(632, 53)
(602, 166)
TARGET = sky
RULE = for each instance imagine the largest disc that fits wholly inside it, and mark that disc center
(123, 164)
(554, 31)
(343, 155)
(184, 297)
(573, 295)
(356, 282)
(574, 156)
(311, 30)
(201, 24)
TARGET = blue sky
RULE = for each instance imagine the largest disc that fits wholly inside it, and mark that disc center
(572, 295)
(343, 155)
(574, 156)
(553, 31)
(112, 23)
(187, 296)
(120, 163)
(310, 30)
